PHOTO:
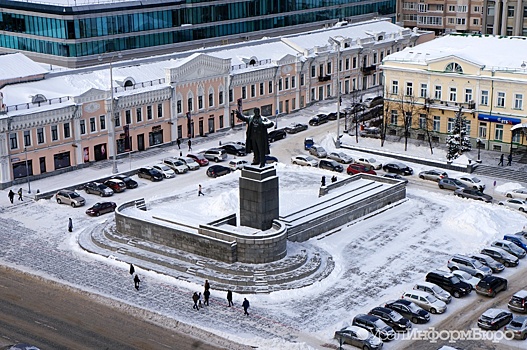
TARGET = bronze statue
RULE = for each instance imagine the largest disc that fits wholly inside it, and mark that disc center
(256, 140)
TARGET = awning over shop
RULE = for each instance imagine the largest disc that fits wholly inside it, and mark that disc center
(499, 119)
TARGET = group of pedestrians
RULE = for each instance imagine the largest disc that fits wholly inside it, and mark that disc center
(509, 159)
(11, 195)
(189, 143)
(197, 299)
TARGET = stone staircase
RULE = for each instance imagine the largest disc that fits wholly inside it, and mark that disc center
(503, 172)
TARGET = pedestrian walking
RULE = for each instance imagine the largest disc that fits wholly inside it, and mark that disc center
(70, 225)
(11, 195)
(199, 299)
(181, 153)
(245, 305)
(195, 299)
(333, 179)
(220, 143)
(178, 141)
(229, 297)
(199, 191)
(189, 145)
(509, 159)
(207, 285)
(206, 295)
(20, 194)
(132, 269)
(323, 182)
(136, 282)
(501, 160)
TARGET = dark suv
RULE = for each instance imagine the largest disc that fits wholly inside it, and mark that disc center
(490, 285)
(330, 165)
(518, 302)
(449, 282)
(375, 326)
(409, 310)
(276, 135)
(392, 318)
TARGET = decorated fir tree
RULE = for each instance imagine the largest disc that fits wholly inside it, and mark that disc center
(458, 141)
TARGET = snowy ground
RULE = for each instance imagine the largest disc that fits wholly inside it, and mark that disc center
(375, 259)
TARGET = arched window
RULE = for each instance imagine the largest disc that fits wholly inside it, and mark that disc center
(454, 68)
(128, 83)
(38, 98)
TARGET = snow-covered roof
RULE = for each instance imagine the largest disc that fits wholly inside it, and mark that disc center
(18, 65)
(492, 52)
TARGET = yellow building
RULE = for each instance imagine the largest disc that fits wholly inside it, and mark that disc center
(483, 76)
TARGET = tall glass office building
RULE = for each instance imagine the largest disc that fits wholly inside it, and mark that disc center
(75, 33)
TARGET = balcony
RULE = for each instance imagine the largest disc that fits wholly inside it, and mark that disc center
(368, 69)
(324, 78)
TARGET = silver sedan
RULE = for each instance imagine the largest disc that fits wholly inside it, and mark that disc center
(341, 157)
(515, 204)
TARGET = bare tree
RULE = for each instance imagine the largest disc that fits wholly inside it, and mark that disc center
(428, 123)
(389, 105)
(408, 108)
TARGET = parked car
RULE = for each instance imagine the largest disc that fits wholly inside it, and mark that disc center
(304, 160)
(167, 172)
(101, 208)
(330, 165)
(359, 168)
(308, 143)
(466, 277)
(354, 108)
(318, 151)
(467, 264)
(409, 310)
(374, 325)
(518, 327)
(396, 177)
(488, 261)
(129, 182)
(318, 119)
(509, 247)
(371, 162)
(490, 285)
(217, 170)
(434, 175)
(449, 282)
(116, 185)
(494, 319)
(236, 164)
(234, 149)
(189, 162)
(275, 135)
(520, 241)
(215, 154)
(199, 158)
(70, 198)
(398, 168)
(98, 189)
(372, 132)
(333, 115)
(520, 193)
(472, 182)
(150, 174)
(359, 337)
(514, 203)
(451, 184)
(518, 302)
(473, 194)
(341, 157)
(425, 300)
(392, 318)
(435, 290)
(270, 159)
(501, 255)
(373, 101)
(295, 128)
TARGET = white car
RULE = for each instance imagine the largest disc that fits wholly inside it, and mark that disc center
(165, 170)
(515, 204)
(425, 300)
(467, 277)
(371, 162)
(472, 182)
(175, 164)
(341, 157)
(236, 164)
(520, 193)
(304, 160)
(191, 163)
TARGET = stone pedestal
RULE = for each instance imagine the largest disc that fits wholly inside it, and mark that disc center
(259, 200)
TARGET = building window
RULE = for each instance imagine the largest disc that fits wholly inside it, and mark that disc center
(302, 80)
(190, 105)
(27, 138)
(244, 92)
(328, 90)
(468, 95)
(253, 90)
(102, 122)
(40, 135)
(347, 63)
(55, 130)
(482, 130)
(393, 117)
(424, 90)
(498, 133)
(354, 65)
(280, 85)
(220, 97)
(231, 95)
(200, 102)
(293, 82)
(422, 121)
(395, 87)
(262, 91)
(286, 83)
(509, 31)
(454, 67)
(13, 142)
(179, 107)
(510, 11)
(437, 92)
(475, 21)
(270, 87)
(320, 70)
(453, 94)
(128, 117)
(437, 123)
(501, 99)
(477, 9)
(313, 71)
(67, 131)
(117, 119)
(160, 110)
(83, 126)
(484, 97)
(467, 126)
(328, 70)
(373, 79)
(450, 124)
(518, 101)
(139, 115)
(451, 8)
(149, 110)
(93, 127)
(211, 99)
(409, 89)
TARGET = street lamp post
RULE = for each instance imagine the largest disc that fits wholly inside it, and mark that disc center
(111, 129)
(27, 173)
(337, 43)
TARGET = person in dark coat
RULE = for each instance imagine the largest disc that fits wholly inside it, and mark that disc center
(70, 225)
(189, 145)
(229, 297)
(245, 305)
(501, 160)
(178, 141)
(199, 299)
(11, 195)
(136, 282)
(509, 159)
(257, 140)
(195, 298)
(333, 179)
(207, 285)
(323, 182)
(20, 194)
(132, 269)
(206, 295)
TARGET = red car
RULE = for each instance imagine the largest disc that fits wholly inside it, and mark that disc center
(116, 185)
(199, 158)
(101, 208)
(359, 168)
